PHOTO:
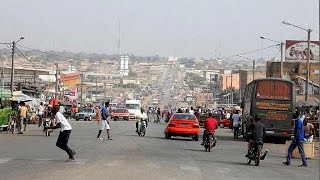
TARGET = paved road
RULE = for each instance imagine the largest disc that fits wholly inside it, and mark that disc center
(34, 156)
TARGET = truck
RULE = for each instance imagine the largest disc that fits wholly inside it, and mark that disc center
(133, 107)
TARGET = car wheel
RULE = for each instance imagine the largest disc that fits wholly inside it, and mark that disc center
(115, 119)
(221, 125)
(196, 138)
(77, 119)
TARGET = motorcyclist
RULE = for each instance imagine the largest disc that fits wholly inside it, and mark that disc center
(210, 125)
(143, 116)
(257, 130)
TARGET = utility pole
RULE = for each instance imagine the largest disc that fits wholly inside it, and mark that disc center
(81, 77)
(308, 67)
(281, 63)
(105, 89)
(57, 81)
(253, 68)
(2, 78)
(96, 88)
(12, 67)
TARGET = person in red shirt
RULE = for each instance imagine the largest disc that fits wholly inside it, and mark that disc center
(210, 125)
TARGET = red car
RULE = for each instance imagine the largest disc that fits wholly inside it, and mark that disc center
(225, 123)
(120, 114)
(183, 124)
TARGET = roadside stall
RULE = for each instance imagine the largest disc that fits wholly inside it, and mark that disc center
(5, 109)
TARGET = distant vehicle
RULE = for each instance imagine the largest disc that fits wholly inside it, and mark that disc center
(225, 123)
(133, 107)
(183, 124)
(273, 100)
(85, 114)
(113, 105)
(155, 102)
(120, 113)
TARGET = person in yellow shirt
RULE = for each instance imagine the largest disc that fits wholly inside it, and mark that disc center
(24, 111)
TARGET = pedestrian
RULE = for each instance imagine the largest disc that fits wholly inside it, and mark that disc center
(236, 124)
(64, 134)
(297, 141)
(40, 113)
(105, 111)
(309, 131)
(24, 111)
(16, 116)
(191, 110)
(158, 115)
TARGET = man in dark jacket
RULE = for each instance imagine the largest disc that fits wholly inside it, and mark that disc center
(297, 142)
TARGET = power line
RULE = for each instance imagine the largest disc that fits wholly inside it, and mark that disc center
(25, 57)
(249, 52)
(44, 52)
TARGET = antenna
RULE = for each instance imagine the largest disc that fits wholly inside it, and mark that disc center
(119, 42)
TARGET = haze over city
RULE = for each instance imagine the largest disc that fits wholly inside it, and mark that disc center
(183, 28)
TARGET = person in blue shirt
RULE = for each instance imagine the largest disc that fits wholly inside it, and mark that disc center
(297, 141)
(105, 112)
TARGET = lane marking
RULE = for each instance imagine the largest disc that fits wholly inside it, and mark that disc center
(113, 163)
(189, 168)
(5, 160)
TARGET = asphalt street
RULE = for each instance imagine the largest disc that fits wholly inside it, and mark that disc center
(35, 156)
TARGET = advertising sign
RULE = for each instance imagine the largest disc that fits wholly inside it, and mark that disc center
(298, 50)
(272, 106)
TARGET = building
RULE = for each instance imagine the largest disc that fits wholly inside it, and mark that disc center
(246, 76)
(296, 71)
(230, 81)
(124, 65)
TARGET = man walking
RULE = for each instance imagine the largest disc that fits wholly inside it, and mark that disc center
(24, 111)
(104, 122)
(64, 134)
(40, 113)
(297, 142)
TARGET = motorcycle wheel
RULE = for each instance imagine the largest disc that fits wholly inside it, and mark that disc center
(143, 132)
(249, 161)
(257, 158)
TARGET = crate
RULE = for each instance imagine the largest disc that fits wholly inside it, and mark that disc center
(308, 150)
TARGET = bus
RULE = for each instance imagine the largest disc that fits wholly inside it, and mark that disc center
(273, 101)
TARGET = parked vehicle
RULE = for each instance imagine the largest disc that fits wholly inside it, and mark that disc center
(273, 100)
(86, 114)
(255, 152)
(210, 142)
(183, 124)
(120, 114)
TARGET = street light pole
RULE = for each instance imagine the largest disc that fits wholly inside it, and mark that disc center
(281, 49)
(12, 67)
(308, 67)
(308, 58)
(253, 68)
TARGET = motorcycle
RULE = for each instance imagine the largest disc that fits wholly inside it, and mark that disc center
(210, 142)
(47, 126)
(142, 127)
(12, 125)
(255, 152)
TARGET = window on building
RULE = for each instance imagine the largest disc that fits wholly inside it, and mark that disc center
(304, 71)
(316, 71)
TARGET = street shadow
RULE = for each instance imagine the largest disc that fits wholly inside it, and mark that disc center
(225, 162)
(229, 138)
(195, 150)
(152, 137)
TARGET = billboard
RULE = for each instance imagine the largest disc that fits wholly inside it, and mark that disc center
(297, 50)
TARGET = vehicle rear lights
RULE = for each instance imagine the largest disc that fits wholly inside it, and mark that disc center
(172, 125)
(195, 126)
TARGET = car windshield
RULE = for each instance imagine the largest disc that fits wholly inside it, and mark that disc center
(184, 116)
(120, 111)
(132, 106)
(86, 110)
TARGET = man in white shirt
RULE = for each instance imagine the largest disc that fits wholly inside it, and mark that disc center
(191, 110)
(64, 134)
(40, 113)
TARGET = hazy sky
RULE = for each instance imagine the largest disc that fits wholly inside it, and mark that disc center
(185, 28)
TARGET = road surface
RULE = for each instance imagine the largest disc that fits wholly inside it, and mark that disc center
(35, 156)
